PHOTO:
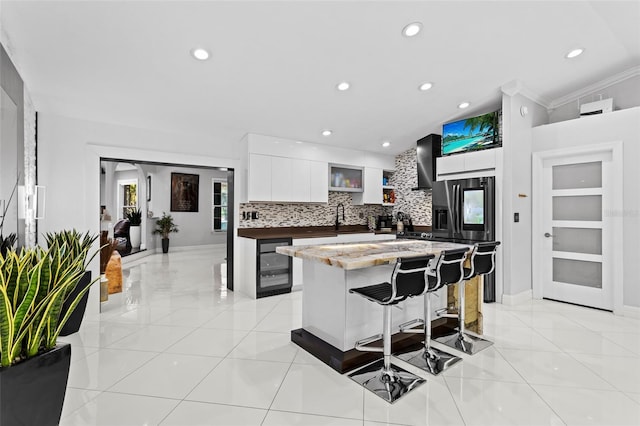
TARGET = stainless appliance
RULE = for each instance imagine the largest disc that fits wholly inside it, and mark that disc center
(463, 211)
(274, 270)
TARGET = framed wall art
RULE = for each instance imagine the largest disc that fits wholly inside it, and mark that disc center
(184, 192)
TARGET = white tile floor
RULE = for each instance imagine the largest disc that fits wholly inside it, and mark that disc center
(176, 348)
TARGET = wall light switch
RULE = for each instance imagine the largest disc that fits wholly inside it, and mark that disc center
(254, 215)
(516, 217)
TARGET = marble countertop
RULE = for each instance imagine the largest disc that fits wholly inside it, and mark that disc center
(366, 254)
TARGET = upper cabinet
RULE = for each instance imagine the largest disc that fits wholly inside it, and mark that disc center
(468, 165)
(259, 178)
(283, 170)
(281, 179)
(372, 193)
(345, 178)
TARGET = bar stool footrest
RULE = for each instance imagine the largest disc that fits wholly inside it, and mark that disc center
(391, 385)
(407, 327)
(361, 344)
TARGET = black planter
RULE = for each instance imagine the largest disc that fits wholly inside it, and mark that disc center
(75, 320)
(32, 392)
(165, 245)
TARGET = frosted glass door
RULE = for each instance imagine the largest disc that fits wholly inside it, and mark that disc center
(574, 228)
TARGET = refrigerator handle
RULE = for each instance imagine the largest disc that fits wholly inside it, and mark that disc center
(454, 207)
(459, 209)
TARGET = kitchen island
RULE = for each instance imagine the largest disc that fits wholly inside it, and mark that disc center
(334, 319)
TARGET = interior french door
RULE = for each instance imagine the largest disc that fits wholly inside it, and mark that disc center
(576, 247)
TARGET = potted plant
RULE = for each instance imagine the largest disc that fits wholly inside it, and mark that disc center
(6, 243)
(79, 246)
(135, 220)
(165, 226)
(34, 284)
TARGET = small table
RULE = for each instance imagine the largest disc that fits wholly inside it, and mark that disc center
(332, 318)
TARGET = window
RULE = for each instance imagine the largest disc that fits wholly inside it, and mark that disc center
(219, 205)
(128, 197)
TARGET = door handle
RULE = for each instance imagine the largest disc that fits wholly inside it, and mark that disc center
(548, 235)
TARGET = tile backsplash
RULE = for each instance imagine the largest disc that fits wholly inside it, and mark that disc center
(302, 214)
(416, 203)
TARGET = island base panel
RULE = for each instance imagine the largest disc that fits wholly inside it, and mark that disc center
(344, 361)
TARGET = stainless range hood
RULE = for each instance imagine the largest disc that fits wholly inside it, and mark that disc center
(427, 152)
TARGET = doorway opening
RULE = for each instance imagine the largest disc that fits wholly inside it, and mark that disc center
(204, 218)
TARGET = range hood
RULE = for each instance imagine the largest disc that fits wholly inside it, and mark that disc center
(427, 152)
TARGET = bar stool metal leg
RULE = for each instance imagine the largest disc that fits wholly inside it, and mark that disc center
(428, 358)
(386, 380)
(461, 340)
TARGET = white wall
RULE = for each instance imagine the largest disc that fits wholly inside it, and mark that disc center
(617, 126)
(194, 228)
(516, 179)
(625, 94)
(69, 152)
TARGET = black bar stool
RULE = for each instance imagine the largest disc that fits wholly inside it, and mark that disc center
(483, 261)
(386, 380)
(446, 269)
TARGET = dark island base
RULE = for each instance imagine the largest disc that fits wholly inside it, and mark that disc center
(352, 359)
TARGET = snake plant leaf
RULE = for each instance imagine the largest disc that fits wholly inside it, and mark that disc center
(6, 328)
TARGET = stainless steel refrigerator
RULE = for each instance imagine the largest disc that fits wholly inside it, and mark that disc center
(464, 211)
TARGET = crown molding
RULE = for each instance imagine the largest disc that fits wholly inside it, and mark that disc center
(595, 87)
(517, 87)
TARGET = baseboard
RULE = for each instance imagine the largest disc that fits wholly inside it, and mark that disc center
(631, 311)
(516, 299)
(129, 259)
(190, 248)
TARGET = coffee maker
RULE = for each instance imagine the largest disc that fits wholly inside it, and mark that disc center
(385, 221)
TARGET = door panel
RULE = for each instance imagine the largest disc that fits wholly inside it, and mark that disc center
(575, 263)
(577, 240)
(586, 207)
(581, 175)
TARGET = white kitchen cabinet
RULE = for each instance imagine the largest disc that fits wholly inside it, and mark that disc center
(259, 178)
(372, 188)
(288, 180)
(471, 164)
(318, 182)
(300, 180)
(281, 179)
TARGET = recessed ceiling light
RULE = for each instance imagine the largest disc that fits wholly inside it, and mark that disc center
(386, 144)
(574, 53)
(464, 105)
(200, 54)
(425, 86)
(326, 132)
(412, 29)
(343, 86)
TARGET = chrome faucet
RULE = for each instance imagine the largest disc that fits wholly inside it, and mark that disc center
(337, 215)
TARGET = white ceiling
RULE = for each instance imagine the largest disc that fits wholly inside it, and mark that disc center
(274, 65)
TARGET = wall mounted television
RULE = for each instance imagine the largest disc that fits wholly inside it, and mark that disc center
(472, 134)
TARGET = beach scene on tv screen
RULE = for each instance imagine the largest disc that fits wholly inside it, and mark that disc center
(470, 134)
